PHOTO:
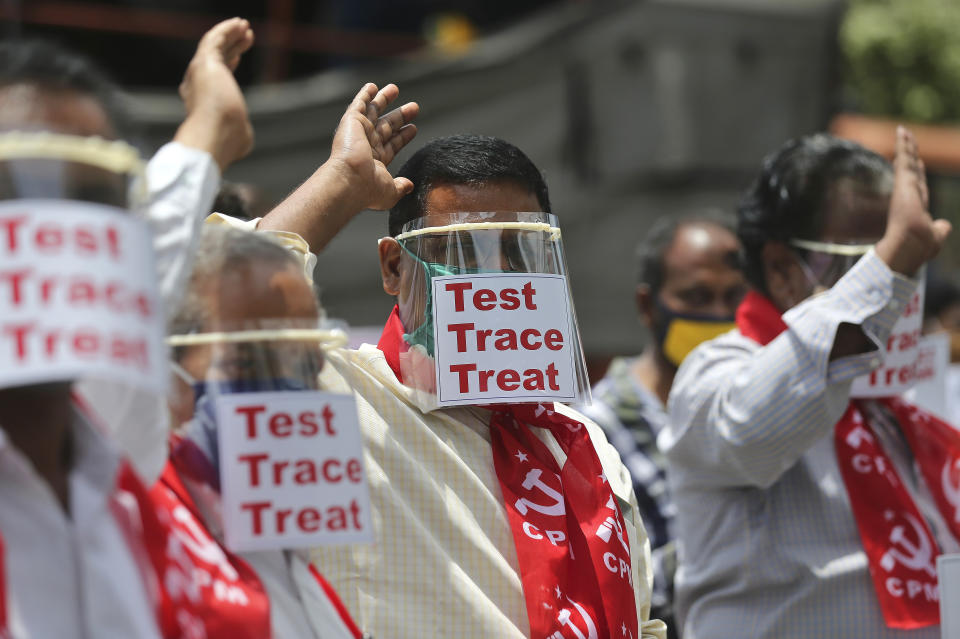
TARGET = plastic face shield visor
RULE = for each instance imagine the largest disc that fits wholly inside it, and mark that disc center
(78, 270)
(488, 290)
(826, 262)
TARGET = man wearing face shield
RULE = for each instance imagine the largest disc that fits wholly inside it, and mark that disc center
(690, 284)
(80, 302)
(801, 513)
(495, 516)
(233, 343)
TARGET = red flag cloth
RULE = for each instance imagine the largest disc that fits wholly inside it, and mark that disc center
(900, 548)
(573, 551)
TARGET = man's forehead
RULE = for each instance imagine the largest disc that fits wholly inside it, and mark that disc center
(700, 246)
(32, 107)
(444, 199)
(854, 213)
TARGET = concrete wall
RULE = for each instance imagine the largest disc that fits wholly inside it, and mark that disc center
(633, 110)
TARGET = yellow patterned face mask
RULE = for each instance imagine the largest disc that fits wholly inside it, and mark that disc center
(680, 333)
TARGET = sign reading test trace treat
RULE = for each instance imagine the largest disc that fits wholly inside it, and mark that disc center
(291, 470)
(78, 295)
(503, 337)
(901, 352)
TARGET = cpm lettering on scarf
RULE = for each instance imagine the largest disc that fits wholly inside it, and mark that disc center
(291, 470)
(503, 337)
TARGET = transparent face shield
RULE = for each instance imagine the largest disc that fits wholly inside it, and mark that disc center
(487, 311)
(78, 297)
(252, 425)
(826, 262)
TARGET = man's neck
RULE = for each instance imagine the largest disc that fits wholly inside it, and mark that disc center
(655, 373)
(37, 421)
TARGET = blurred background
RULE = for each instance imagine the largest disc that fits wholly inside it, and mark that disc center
(634, 110)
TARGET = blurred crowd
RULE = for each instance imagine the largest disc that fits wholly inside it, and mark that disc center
(188, 448)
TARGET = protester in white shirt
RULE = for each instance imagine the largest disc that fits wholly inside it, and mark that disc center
(772, 523)
(73, 515)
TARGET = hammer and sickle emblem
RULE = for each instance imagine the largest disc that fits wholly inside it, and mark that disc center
(532, 480)
(564, 617)
(918, 556)
(951, 490)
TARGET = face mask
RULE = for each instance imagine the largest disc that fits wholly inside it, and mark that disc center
(423, 335)
(679, 333)
(198, 453)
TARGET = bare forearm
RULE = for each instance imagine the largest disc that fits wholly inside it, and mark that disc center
(317, 210)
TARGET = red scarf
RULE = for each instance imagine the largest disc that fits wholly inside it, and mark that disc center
(573, 551)
(900, 547)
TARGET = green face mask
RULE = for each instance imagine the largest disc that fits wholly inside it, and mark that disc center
(423, 335)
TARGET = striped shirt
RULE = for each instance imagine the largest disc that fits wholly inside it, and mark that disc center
(768, 546)
(444, 563)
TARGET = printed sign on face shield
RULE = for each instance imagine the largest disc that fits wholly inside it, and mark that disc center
(78, 296)
(902, 351)
(291, 471)
(503, 337)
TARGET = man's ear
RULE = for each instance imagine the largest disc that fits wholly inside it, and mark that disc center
(645, 305)
(390, 256)
(786, 282)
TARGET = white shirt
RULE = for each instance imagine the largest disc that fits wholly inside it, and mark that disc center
(768, 545)
(182, 184)
(69, 574)
(444, 562)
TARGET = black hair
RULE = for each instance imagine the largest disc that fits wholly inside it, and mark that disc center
(50, 66)
(464, 159)
(788, 199)
(655, 244)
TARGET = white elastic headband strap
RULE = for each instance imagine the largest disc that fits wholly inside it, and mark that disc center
(541, 227)
(850, 250)
(330, 338)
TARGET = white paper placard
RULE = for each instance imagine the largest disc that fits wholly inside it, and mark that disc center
(78, 296)
(898, 372)
(948, 577)
(291, 470)
(503, 337)
(930, 390)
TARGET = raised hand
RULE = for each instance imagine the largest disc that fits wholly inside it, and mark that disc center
(217, 119)
(367, 140)
(912, 237)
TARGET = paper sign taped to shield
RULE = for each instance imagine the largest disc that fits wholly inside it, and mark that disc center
(291, 471)
(78, 296)
(503, 337)
(899, 370)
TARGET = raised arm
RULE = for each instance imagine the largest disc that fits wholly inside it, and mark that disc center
(742, 414)
(355, 177)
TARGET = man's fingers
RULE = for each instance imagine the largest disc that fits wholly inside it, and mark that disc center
(941, 229)
(922, 185)
(237, 43)
(396, 119)
(403, 186)
(379, 103)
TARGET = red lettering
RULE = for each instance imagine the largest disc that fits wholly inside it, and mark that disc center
(482, 336)
(309, 423)
(506, 340)
(508, 379)
(485, 380)
(308, 520)
(511, 301)
(354, 471)
(281, 425)
(86, 343)
(48, 238)
(331, 476)
(355, 512)
(251, 412)
(552, 377)
(16, 280)
(278, 467)
(328, 419)
(463, 370)
(11, 225)
(528, 293)
(282, 515)
(553, 339)
(524, 334)
(533, 379)
(461, 331)
(485, 300)
(253, 459)
(458, 288)
(256, 509)
(19, 332)
(113, 242)
(306, 472)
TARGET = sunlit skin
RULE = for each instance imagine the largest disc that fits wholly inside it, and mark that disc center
(243, 298)
(701, 278)
(403, 277)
